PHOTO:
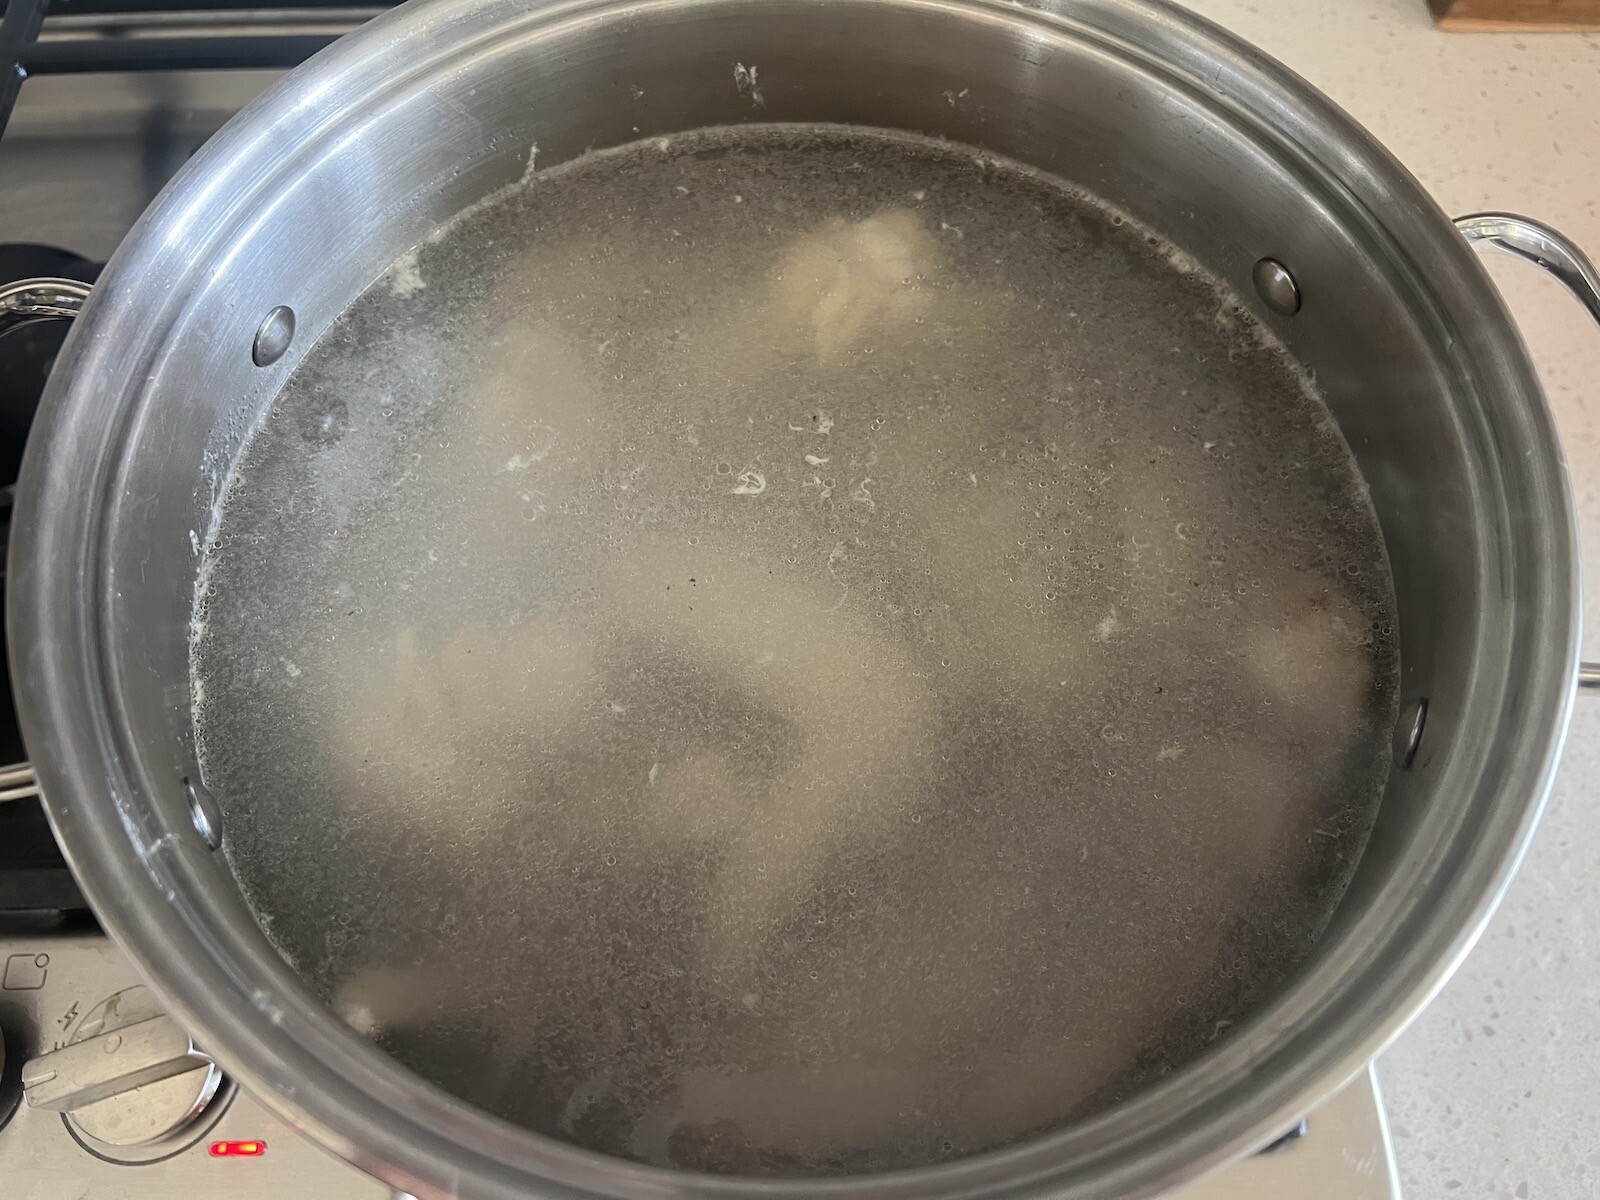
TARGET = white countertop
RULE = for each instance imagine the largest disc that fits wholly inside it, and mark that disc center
(1495, 1091)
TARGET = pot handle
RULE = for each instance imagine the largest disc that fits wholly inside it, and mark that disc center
(17, 782)
(1551, 251)
(29, 300)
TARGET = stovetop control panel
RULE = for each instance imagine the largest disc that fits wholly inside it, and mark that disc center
(103, 1097)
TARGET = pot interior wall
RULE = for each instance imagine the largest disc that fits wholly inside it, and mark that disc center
(317, 209)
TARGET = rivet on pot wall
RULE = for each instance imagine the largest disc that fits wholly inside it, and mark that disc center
(204, 812)
(1408, 732)
(1276, 287)
(273, 336)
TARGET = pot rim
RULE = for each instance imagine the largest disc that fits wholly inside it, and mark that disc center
(320, 1076)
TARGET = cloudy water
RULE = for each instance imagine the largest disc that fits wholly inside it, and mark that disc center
(795, 651)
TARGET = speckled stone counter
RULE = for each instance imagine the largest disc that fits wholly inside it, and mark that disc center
(1495, 1091)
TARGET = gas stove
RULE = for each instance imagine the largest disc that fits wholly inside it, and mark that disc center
(101, 1095)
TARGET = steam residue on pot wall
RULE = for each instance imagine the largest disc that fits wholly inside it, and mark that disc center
(795, 651)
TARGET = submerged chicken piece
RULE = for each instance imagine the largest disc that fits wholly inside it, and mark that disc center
(424, 713)
(1307, 645)
(823, 298)
(852, 280)
(379, 999)
(513, 441)
(846, 690)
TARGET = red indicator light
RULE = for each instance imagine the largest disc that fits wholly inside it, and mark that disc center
(238, 1149)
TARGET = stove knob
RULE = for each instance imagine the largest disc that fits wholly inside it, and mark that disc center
(130, 1077)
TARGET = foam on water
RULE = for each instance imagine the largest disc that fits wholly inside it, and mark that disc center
(796, 651)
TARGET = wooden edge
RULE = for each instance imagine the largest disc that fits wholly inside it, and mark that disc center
(1488, 25)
